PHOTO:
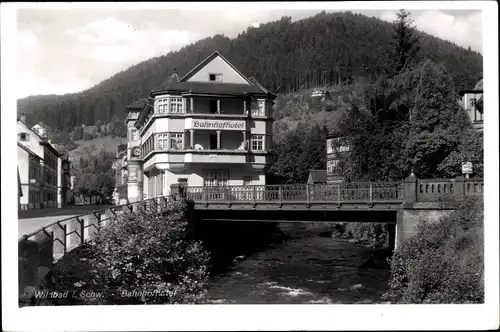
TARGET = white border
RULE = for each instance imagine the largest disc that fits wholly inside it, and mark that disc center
(254, 317)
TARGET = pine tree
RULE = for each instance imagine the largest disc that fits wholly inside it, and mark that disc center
(437, 122)
(405, 44)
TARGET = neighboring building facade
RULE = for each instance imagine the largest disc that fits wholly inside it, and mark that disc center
(472, 101)
(67, 183)
(212, 127)
(51, 175)
(120, 167)
(42, 179)
(41, 129)
(335, 147)
(29, 167)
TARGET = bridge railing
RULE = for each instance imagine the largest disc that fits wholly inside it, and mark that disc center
(38, 250)
(448, 190)
(357, 191)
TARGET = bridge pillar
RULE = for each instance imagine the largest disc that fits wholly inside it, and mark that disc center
(391, 229)
(412, 214)
(410, 189)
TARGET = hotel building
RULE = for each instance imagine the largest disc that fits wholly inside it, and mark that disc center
(212, 127)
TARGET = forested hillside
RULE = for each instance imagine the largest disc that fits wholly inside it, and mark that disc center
(284, 56)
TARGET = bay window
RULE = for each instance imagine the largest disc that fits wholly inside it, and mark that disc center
(162, 106)
(176, 141)
(258, 108)
(162, 141)
(257, 142)
(176, 105)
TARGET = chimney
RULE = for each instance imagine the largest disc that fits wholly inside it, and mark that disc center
(23, 117)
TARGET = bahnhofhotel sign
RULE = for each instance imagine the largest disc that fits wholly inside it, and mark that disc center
(215, 124)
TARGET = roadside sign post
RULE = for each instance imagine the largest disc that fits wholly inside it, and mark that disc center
(467, 169)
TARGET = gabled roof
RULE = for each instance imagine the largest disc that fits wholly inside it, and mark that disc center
(28, 150)
(479, 85)
(174, 84)
(138, 104)
(478, 88)
(317, 176)
(207, 60)
(31, 130)
(210, 88)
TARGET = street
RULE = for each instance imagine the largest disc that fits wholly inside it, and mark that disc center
(32, 220)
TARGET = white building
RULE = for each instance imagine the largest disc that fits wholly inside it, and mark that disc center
(212, 127)
(335, 147)
(42, 176)
(472, 102)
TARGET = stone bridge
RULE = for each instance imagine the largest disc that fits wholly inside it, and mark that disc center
(401, 204)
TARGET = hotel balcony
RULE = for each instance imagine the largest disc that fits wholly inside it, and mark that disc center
(204, 146)
(209, 107)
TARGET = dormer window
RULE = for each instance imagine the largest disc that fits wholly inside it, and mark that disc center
(24, 136)
(215, 77)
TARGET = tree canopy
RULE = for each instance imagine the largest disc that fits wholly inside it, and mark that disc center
(94, 175)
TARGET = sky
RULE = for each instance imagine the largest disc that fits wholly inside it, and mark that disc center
(68, 50)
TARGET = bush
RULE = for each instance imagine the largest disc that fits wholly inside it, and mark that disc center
(140, 257)
(374, 235)
(444, 261)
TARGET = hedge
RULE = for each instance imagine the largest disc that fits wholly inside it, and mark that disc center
(139, 257)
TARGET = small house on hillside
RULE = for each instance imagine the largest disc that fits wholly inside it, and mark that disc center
(320, 94)
(41, 129)
(317, 176)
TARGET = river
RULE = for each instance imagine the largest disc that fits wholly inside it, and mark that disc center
(307, 269)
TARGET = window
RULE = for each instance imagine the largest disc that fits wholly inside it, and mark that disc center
(332, 167)
(147, 146)
(162, 106)
(24, 136)
(258, 142)
(213, 106)
(213, 141)
(216, 178)
(176, 105)
(215, 77)
(162, 140)
(183, 181)
(176, 141)
(209, 179)
(247, 180)
(133, 135)
(258, 108)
